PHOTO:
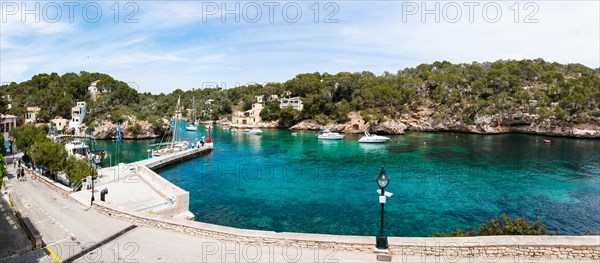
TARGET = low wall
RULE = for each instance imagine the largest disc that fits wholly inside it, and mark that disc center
(57, 187)
(162, 186)
(167, 190)
(451, 248)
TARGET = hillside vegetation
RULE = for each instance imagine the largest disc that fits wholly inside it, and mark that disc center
(458, 93)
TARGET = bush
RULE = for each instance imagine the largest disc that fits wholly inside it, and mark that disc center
(2, 170)
(77, 169)
(288, 117)
(135, 129)
(503, 225)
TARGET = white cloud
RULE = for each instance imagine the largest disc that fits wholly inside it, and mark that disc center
(171, 47)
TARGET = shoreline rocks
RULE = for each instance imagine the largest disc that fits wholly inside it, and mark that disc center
(423, 120)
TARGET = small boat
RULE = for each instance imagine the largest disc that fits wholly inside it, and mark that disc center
(547, 141)
(192, 125)
(82, 151)
(328, 135)
(256, 131)
(294, 134)
(372, 138)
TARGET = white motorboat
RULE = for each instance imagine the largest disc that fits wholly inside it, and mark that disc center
(328, 135)
(191, 127)
(256, 131)
(372, 138)
(82, 151)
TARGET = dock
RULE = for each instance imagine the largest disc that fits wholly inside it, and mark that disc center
(137, 188)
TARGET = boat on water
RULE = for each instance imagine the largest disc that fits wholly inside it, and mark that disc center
(328, 135)
(192, 125)
(173, 146)
(82, 151)
(255, 131)
(373, 138)
(294, 134)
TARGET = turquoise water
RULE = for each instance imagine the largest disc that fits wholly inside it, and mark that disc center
(440, 181)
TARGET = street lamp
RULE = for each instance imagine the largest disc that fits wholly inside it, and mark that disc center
(92, 177)
(382, 181)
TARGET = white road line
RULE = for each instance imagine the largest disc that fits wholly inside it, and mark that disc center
(42, 221)
(54, 243)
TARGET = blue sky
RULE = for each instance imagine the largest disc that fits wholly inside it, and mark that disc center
(186, 44)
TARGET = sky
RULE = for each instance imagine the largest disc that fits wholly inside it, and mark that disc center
(160, 46)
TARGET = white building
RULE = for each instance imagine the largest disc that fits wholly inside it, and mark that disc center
(295, 102)
(249, 117)
(8, 100)
(31, 115)
(77, 115)
(94, 90)
(8, 122)
(59, 124)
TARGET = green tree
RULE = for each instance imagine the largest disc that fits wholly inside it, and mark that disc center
(288, 117)
(2, 169)
(49, 154)
(77, 169)
(271, 111)
(28, 134)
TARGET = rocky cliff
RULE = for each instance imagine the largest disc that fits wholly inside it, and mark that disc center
(131, 129)
(424, 120)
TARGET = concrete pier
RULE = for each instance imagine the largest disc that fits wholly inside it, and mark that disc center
(136, 188)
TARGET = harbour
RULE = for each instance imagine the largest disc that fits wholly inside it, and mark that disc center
(439, 178)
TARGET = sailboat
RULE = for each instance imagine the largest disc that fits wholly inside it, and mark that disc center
(173, 146)
(191, 126)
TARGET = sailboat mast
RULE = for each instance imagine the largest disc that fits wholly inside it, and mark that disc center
(176, 117)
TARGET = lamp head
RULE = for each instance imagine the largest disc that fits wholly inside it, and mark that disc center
(383, 180)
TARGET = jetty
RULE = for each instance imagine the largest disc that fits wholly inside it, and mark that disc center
(137, 188)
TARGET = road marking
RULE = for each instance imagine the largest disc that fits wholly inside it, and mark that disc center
(54, 243)
(100, 244)
(54, 255)
(42, 221)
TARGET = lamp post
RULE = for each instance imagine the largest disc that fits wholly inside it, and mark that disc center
(382, 181)
(92, 176)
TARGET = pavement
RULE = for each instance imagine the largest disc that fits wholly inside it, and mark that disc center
(18, 242)
(72, 232)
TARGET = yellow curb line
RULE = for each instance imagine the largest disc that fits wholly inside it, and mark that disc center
(54, 255)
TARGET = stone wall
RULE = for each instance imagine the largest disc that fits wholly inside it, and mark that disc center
(451, 249)
(57, 187)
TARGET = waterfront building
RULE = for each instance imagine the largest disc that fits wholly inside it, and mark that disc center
(249, 117)
(31, 115)
(8, 122)
(77, 115)
(295, 103)
(59, 124)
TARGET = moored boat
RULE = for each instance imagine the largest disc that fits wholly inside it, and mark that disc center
(173, 146)
(193, 124)
(256, 131)
(373, 138)
(328, 135)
